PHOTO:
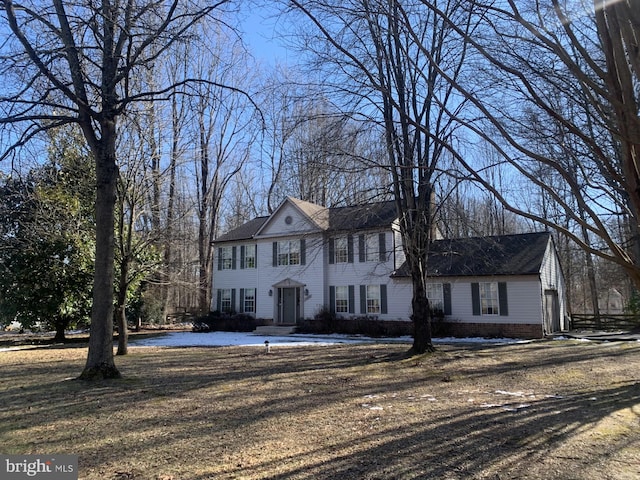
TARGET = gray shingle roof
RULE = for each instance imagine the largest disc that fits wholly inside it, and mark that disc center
(362, 217)
(352, 218)
(520, 254)
(245, 231)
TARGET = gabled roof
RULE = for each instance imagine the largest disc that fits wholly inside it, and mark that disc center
(363, 217)
(245, 231)
(318, 214)
(520, 254)
(338, 219)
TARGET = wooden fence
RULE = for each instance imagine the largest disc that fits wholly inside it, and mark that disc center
(585, 321)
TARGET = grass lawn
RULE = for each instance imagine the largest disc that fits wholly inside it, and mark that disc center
(543, 410)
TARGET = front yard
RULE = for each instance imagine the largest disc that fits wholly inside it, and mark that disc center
(543, 410)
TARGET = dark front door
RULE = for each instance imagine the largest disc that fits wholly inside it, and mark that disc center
(289, 305)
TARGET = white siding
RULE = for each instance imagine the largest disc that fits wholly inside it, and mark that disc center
(552, 278)
(367, 273)
(523, 300)
(311, 275)
(277, 224)
(235, 278)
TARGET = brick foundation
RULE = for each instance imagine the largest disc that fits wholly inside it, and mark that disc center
(507, 330)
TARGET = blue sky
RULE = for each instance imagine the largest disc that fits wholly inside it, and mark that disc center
(261, 28)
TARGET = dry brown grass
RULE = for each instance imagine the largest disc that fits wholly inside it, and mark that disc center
(562, 410)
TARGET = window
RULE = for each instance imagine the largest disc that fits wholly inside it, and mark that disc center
(373, 298)
(226, 304)
(249, 300)
(226, 258)
(342, 299)
(341, 250)
(489, 304)
(435, 294)
(288, 252)
(372, 248)
(249, 256)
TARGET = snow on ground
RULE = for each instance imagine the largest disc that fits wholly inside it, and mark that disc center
(220, 339)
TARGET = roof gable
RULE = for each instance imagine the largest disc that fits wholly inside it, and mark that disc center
(295, 216)
(306, 216)
(520, 254)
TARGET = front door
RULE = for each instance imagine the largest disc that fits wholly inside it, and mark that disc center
(289, 305)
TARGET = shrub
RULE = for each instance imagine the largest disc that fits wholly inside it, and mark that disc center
(326, 322)
(219, 322)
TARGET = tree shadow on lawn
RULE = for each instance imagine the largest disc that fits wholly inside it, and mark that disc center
(226, 398)
(474, 443)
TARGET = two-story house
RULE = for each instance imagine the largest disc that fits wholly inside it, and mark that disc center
(304, 257)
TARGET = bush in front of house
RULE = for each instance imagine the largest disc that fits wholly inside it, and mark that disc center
(226, 322)
(326, 322)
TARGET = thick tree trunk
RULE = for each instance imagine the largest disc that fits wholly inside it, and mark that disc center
(421, 318)
(100, 362)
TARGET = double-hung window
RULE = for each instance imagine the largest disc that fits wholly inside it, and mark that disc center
(248, 300)
(249, 256)
(489, 298)
(226, 258)
(489, 302)
(289, 252)
(373, 298)
(342, 300)
(372, 247)
(341, 250)
(226, 300)
(435, 294)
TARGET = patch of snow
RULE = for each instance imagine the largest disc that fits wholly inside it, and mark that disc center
(516, 408)
(221, 339)
(513, 394)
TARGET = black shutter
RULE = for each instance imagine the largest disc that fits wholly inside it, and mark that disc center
(383, 298)
(352, 299)
(303, 252)
(332, 251)
(275, 254)
(241, 307)
(382, 247)
(446, 293)
(502, 299)
(219, 258)
(361, 249)
(234, 255)
(332, 299)
(233, 300)
(350, 248)
(242, 252)
(363, 299)
(475, 298)
(219, 301)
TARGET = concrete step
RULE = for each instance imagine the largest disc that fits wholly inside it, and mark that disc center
(274, 330)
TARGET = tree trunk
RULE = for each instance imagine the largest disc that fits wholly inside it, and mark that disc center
(421, 318)
(123, 332)
(61, 325)
(100, 362)
(121, 306)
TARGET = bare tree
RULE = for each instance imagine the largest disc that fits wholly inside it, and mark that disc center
(224, 130)
(391, 55)
(574, 68)
(73, 62)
